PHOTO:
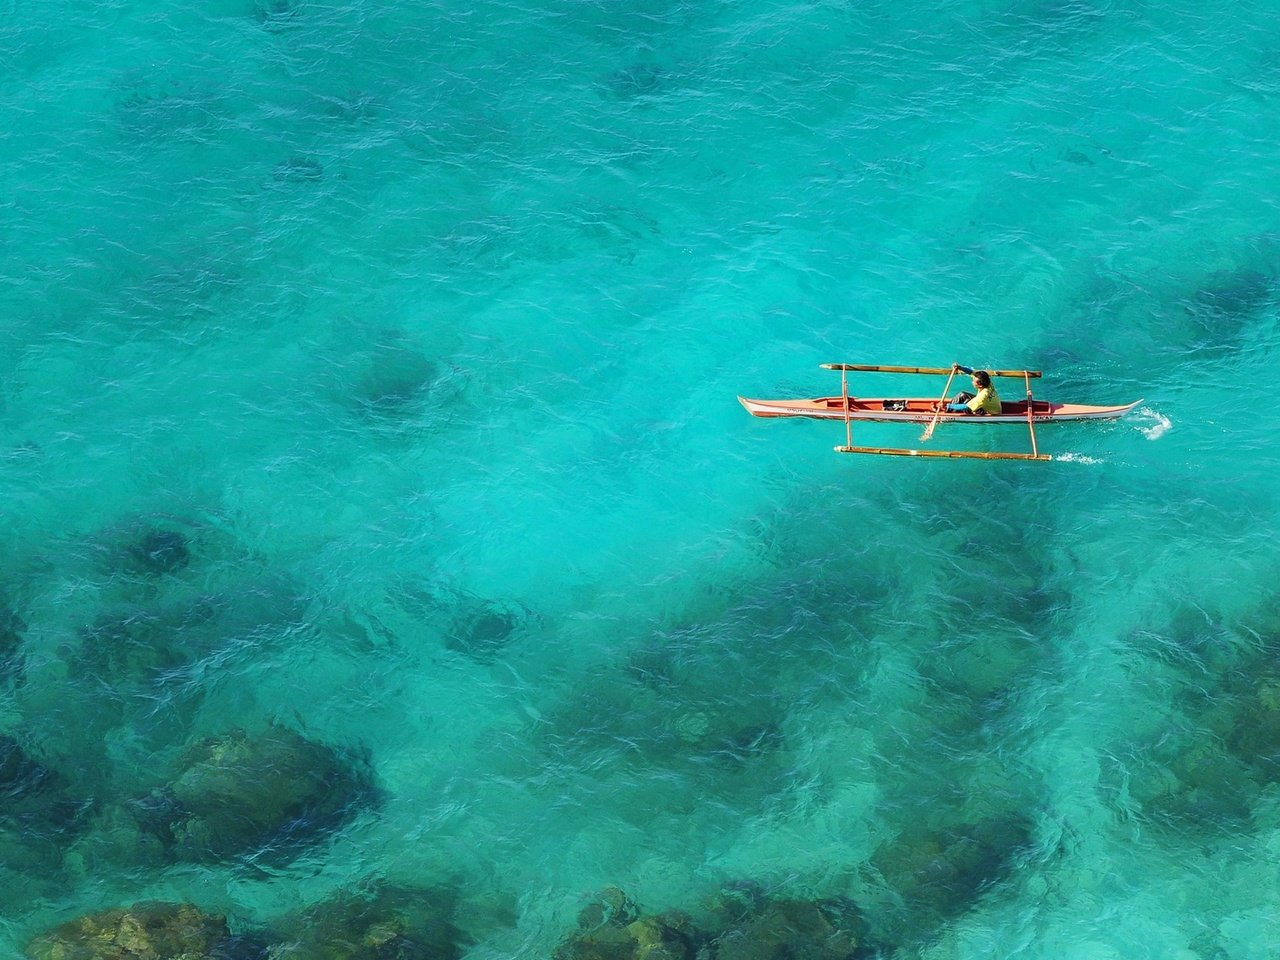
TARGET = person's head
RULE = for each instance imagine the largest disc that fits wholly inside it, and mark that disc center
(981, 379)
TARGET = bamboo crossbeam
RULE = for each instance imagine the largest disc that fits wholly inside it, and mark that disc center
(948, 454)
(941, 371)
(848, 424)
(1031, 424)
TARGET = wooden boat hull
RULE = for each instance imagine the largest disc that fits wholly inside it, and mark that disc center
(921, 410)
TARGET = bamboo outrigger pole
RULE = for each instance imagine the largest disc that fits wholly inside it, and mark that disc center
(948, 454)
(875, 368)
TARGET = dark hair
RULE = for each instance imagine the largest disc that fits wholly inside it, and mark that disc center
(983, 378)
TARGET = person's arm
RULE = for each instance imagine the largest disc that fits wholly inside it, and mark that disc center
(963, 369)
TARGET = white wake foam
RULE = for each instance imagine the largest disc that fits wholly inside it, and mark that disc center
(1152, 423)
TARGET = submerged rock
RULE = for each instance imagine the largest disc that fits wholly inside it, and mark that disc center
(145, 931)
(131, 641)
(297, 169)
(654, 667)
(244, 946)
(1231, 293)
(785, 929)
(160, 551)
(276, 15)
(142, 547)
(34, 800)
(940, 874)
(1220, 309)
(613, 928)
(238, 794)
(397, 379)
(744, 744)
(134, 640)
(111, 841)
(387, 923)
(611, 906)
(636, 80)
(12, 630)
(482, 629)
(1255, 734)
(1204, 786)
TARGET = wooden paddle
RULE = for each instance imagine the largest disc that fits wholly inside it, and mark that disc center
(928, 431)
(1031, 423)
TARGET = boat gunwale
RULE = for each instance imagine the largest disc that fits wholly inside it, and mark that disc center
(871, 409)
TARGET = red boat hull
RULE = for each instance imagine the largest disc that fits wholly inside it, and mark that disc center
(922, 410)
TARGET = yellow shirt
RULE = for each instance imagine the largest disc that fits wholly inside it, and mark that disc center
(986, 400)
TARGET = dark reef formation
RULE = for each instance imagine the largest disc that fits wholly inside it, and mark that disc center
(924, 880)
(482, 629)
(382, 923)
(129, 642)
(1226, 303)
(39, 814)
(935, 875)
(755, 926)
(744, 923)
(932, 876)
(159, 551)
(138, 549)
(268, 794)
(145, 662)
(12, 630)
(144, 931)
(1218, 753)
(613, 928)
(137, 639)
(397, 379)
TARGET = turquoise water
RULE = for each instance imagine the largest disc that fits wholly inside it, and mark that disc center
(369, 372)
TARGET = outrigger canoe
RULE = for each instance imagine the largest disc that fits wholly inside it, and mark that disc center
(930, 411)
(920, 410)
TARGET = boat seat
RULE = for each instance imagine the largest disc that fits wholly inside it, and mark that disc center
(1019, 407)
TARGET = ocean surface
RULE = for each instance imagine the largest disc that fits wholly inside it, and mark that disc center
(368, 380)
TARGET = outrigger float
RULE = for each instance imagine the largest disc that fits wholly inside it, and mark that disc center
(930, 411)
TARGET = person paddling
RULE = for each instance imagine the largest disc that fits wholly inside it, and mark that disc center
(984, 400)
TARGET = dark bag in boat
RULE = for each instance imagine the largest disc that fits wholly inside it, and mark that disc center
(896, 405)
